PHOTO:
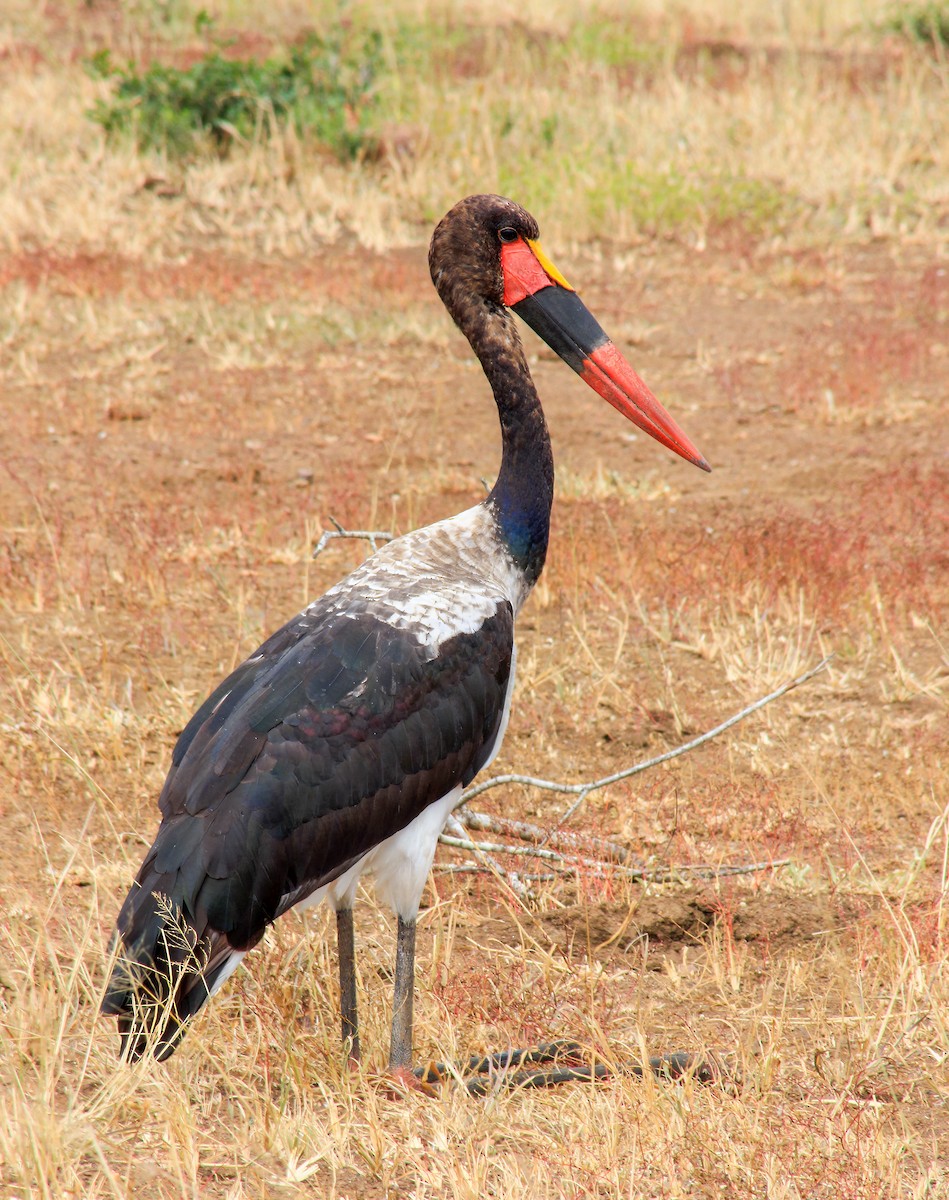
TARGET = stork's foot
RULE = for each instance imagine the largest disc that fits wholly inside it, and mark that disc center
(400, 1081)
(482, 1074)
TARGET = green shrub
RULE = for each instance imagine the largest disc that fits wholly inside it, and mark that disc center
(322, 86)
(927, 23)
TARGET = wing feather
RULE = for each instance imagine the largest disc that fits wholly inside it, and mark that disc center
(337, 733)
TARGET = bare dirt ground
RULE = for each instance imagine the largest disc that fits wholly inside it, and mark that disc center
(176, 436)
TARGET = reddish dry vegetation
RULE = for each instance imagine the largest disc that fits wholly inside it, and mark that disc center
(159, 504)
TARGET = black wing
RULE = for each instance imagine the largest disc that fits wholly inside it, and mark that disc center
(336, 734)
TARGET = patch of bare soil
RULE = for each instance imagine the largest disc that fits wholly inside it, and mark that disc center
(663, 921)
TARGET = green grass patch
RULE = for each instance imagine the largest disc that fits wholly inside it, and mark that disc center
(924, 23)
(615, 43)
(323, 87)
(660, 201)
(649, 201)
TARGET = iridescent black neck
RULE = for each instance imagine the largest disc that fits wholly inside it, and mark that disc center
(466, 275)
(521, 498)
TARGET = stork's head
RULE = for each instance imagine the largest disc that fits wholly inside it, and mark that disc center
(486, 252)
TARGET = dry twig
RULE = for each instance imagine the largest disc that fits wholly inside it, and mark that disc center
(373, 536)
(486, 823)
(570, 855)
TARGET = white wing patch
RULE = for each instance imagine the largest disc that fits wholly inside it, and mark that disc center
(436, 582)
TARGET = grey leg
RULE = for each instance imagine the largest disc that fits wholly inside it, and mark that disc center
(346, 942)
(400, 1052)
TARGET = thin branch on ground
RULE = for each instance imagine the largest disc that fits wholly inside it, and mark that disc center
(373, 536)
(594, 867)
(511, 878)
(570, 851)
(571, 842)
(471, 868)
(582, 790)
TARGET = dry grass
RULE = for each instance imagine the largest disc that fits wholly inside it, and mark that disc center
(194, 376)
(842, 1093)
(807, 128)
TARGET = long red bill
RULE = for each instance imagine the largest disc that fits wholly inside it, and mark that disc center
(539, 294)
(611, 376)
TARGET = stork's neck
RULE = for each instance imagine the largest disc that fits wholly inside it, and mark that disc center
(521, 498)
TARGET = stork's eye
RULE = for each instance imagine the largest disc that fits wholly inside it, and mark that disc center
(507, 234)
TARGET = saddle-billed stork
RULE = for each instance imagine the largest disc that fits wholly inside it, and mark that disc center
(342, 745)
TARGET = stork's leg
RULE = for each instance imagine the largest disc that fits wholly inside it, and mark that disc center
(482, 1071)
(346, 943)
(400, 1050)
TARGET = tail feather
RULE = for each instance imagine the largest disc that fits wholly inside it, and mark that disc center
(166, 967)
